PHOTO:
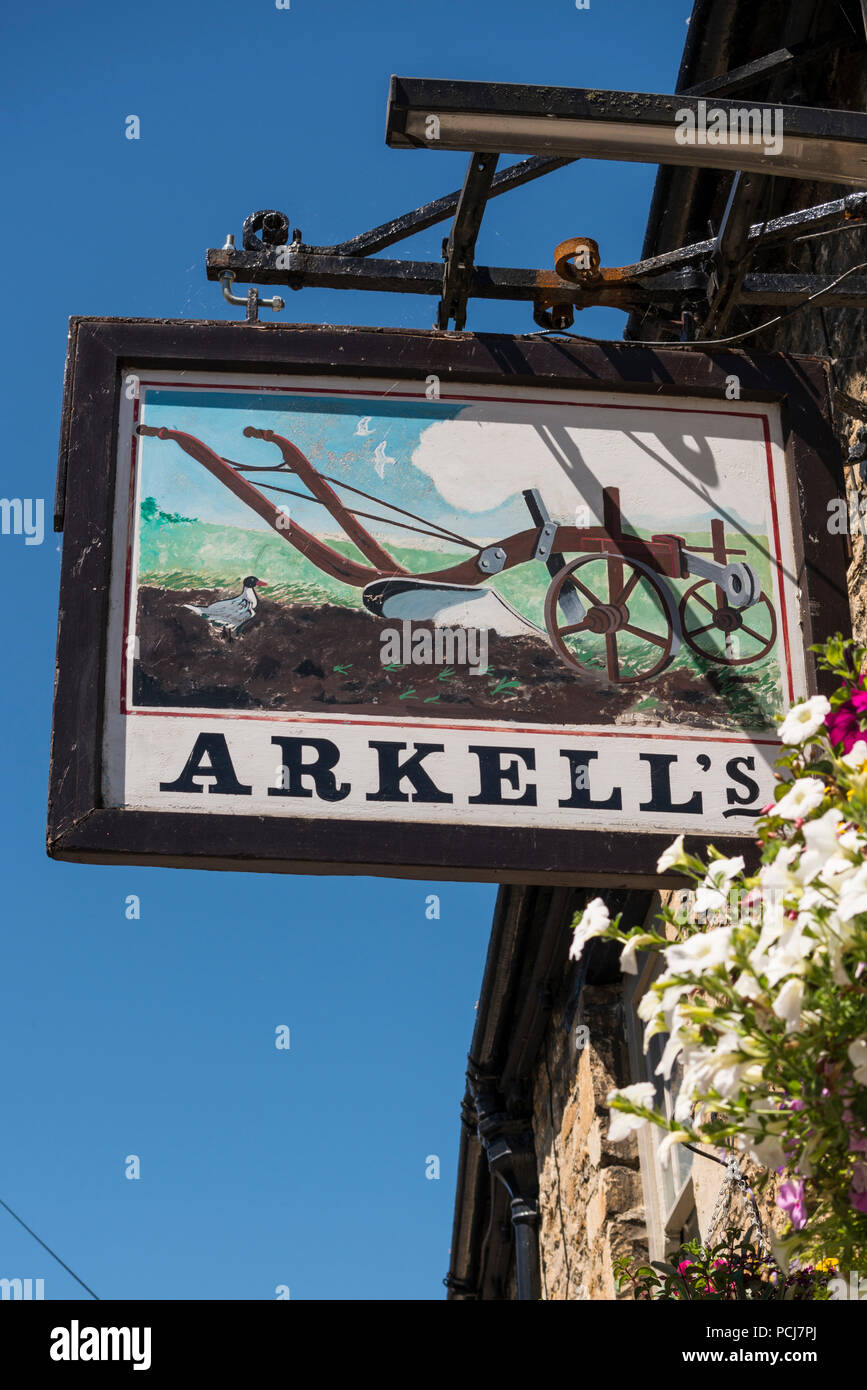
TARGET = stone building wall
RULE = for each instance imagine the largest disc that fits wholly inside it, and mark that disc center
(591, 1191)
(590, 1194)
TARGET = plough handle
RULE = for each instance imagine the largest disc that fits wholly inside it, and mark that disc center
(324, 493)
(339, 566)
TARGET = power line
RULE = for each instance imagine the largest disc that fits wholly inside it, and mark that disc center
(50, 1251)
(736, 337)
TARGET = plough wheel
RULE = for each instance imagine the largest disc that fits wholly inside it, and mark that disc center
(748, 633)
(630, 623)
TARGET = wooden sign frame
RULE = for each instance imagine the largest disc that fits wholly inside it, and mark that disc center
(82, 828)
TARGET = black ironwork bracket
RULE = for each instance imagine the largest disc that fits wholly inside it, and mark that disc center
(460, 247)
(688, 278)
(783, 61)
(696, 287)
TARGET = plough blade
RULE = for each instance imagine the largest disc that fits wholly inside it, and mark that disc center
(446, 605)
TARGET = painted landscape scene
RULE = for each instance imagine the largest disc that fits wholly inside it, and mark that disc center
(243, 611)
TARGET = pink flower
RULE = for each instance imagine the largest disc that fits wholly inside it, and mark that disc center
(858, 1190)
(843, 727)
(844, 724)
(791, 1200)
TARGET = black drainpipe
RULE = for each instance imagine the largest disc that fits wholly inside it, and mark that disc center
(508, 1143)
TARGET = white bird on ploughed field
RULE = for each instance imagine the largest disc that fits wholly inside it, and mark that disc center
(232, 615)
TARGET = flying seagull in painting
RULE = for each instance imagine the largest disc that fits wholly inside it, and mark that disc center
(381, 458)
(232, 615)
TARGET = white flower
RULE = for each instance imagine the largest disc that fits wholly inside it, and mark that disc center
(700, 952)
(594, 921)
(673, 857)
(856, 757)
(806, 794)
(858, 1058)
(788, 1003)
(748, 986)
(778, 874)
(820, 841)
(853, 895)
(836, 871)
(628, 963)
(649, 1006)
(713, 891)
(653, 1009)
(839, 948)
(768, 1151)
(804, 720)
(672, 1051)
(853, 842)
(810, 899)
(674, 1136)
(622, 1123)
(786, 956)
(727, 1080)
(721, 871)
(720, 1068)
(774, 923)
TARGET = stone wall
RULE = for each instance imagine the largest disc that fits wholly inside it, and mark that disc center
(590, 1195)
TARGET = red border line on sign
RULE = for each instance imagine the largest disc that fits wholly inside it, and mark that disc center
(472, 726)
(779, 563)
(469, 725)
(127, 597)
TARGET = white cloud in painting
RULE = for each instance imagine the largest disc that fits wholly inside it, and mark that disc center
(669, 467)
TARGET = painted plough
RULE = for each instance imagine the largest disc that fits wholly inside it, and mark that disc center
(612, 602)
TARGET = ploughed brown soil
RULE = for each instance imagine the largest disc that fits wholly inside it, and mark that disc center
(319, 659)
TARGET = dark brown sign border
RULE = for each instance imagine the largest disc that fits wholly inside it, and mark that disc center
(100, 351)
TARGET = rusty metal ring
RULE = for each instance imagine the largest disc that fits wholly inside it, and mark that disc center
(565, 253)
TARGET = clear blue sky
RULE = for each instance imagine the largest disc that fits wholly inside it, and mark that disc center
(156, 1037)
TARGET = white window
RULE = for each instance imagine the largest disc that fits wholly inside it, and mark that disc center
(669, 1194)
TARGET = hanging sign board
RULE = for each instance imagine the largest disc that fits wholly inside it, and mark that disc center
(441, 605)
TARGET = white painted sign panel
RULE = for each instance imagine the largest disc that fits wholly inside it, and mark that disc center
(351, 598)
